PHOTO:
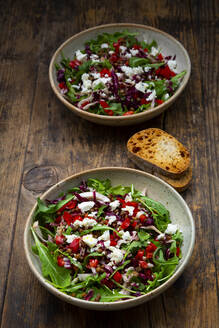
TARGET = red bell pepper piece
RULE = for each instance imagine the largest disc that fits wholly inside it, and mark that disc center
(140, 254)
(68, 218)
(74, 63)
(60, 261)
(59, 240)
(103, 104)
(143, 264)
(142, 218)
(109, 112)
(74, 246)
(125, 224)
(159, 101)
(93, 263)
(62, 85)
(105, 71)
(130, 112)
(177, 251)
(117, 276)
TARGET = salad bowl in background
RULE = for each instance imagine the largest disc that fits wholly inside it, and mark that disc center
(157, 190)
(168, 46)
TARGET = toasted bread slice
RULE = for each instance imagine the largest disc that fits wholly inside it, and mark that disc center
(155, 149)
(180, 184)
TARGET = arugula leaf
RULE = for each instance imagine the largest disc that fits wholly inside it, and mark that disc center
(121, 267)
(99, 86)
(176, 79)
(99, 227)
(159, 212)
(119, 190)
(72, 260)
(89, 281)
(137, 61)
(101, 210)
(116, 108)
(100, 186)
(143, 236)
(50, 269)
(108, 295)
(94, 254)
(51, 208)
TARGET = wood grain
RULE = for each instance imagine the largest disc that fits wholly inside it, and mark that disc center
(42, 142)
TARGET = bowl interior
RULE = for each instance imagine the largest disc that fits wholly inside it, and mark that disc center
(157, 190)
(167, 44)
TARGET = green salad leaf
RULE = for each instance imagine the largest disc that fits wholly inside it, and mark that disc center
(50, 269)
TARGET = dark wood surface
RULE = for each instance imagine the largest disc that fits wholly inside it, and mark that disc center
(42, 142)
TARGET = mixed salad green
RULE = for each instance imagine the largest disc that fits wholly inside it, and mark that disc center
(104, 243)
(116, 74)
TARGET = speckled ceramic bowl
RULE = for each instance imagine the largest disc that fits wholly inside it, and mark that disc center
(156, 189)
(169, 46)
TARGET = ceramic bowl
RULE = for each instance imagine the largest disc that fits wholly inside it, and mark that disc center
(156, 189)
(166, 42)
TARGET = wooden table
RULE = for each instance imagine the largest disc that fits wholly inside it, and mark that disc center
(43, 142)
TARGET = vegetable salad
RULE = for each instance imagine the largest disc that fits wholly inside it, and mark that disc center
(102, 243)
(116, 74)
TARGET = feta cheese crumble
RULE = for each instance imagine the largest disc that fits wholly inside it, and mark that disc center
(171, 229)
(116, 254)
(80, 56)
(129, 209)
(104, 45)
(70, 238)
(89, 240)
(154, 51)
(113, 205)
(86, 206)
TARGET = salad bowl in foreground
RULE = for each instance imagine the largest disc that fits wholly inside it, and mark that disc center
(167, 45)
(157, 190)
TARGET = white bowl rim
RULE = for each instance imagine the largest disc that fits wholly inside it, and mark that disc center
(149, 295)
(130, 117)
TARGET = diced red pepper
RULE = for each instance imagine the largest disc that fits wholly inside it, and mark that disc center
(109, 112)
(165, 72)
(130, 112)
(177, 251)
(159, 101)
(71, 204)
(93, 263)
(134, 204)
(140, 254)
(145, 49)
(77, 217)
(143, 264)
(160, 57)
(59, 240)
(113, 242)
(68, 218)
(150, 250)
(62, 85)
(116, 45)
(60, 261)
(136, 47)
(113, 58)
(74, 63)
(134, 224)
(144, 101)
(125, 224)
(103, 104)
(117, 276)
(74, 246)
(105, 71)
(142, 218)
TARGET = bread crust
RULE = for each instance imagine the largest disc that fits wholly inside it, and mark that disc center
(156, 150)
